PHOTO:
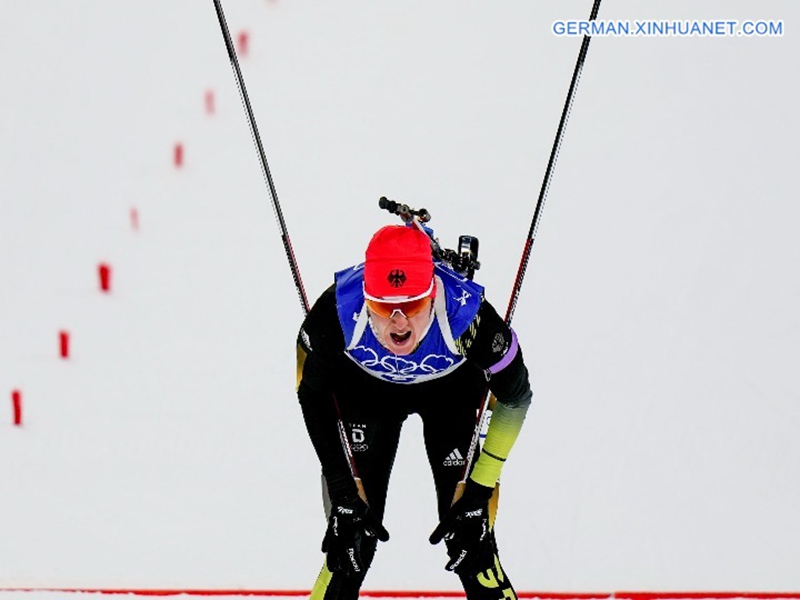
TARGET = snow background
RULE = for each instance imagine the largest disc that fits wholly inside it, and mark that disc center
(659, 316)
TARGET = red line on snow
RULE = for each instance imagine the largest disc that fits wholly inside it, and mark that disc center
(703, 595)
(433, 594)
(165, 592)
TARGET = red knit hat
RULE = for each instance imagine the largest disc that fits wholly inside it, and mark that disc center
(398, 265)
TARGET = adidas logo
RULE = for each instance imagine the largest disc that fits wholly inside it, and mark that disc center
(454, 459)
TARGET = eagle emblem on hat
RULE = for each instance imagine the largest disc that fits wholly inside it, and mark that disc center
(396, 278)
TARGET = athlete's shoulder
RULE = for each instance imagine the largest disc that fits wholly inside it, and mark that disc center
(462, 298)
(349, 288)
(452, 280)
(320, 330)
(486, 336)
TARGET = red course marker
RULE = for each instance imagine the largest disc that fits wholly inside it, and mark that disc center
(63, 338)
(242, 43)
(16, 400)
(104, 271)
(135, 219)
(178, 155)
(209, 101)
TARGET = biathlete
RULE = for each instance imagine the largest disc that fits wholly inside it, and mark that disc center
(399, 334)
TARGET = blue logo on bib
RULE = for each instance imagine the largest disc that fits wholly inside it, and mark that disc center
(455, 307)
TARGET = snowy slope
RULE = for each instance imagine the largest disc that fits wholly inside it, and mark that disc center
(659, 317)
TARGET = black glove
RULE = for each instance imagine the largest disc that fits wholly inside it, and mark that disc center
(349, 522)
(465, 526)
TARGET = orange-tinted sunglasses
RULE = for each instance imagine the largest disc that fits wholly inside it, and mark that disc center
(408, 309)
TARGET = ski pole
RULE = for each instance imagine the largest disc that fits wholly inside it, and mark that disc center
(276, 207)
(526, 252)
(251, 120)
(551, 163)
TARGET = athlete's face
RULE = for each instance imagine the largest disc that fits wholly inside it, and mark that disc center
(400, 334)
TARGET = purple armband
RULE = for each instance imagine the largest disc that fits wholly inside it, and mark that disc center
(509, 356)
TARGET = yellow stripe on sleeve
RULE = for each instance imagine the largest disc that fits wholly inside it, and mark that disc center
(504, 428)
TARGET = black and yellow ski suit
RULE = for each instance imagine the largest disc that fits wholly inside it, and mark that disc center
(332, 386)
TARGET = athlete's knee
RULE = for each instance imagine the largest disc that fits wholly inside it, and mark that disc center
(485, 579)
(343, 585)
(368, 547)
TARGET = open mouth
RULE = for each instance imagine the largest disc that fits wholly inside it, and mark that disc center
(400, 338)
